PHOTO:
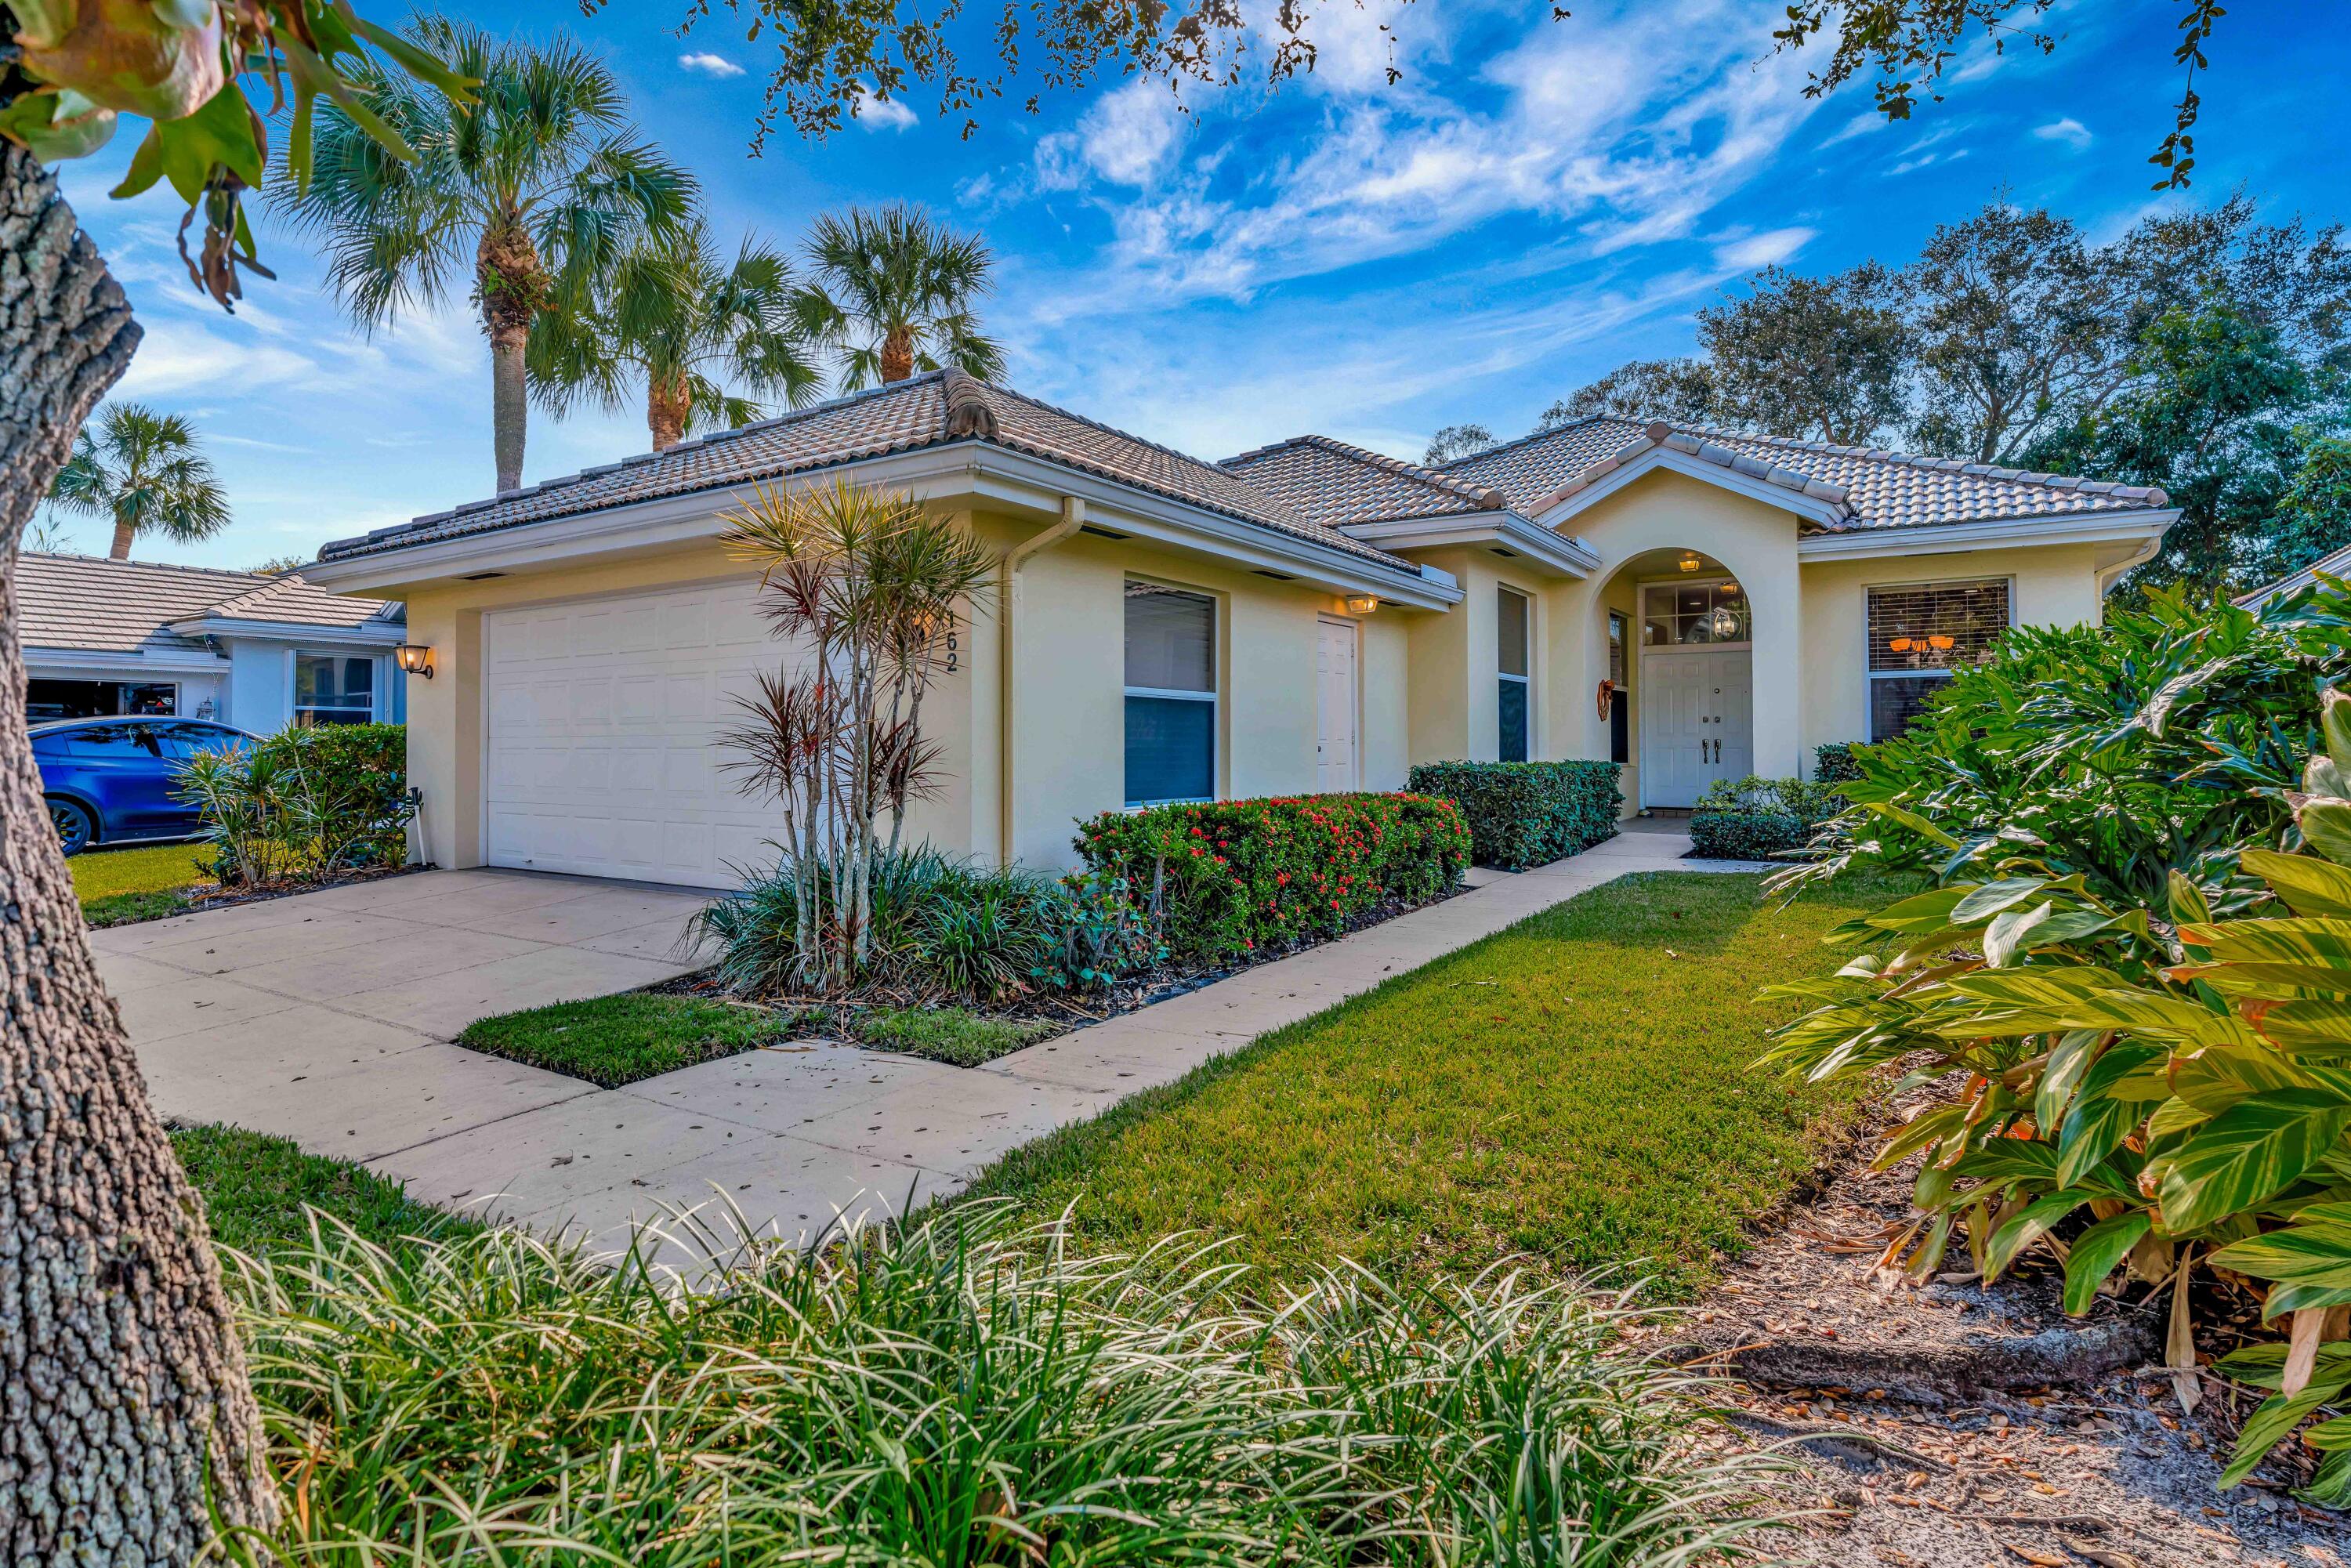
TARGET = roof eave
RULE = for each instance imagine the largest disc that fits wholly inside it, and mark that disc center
(1555, 552)
(1003, 475)
(2111, 526)
(374, 629)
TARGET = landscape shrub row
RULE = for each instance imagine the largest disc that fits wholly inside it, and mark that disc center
(2133, 969)
(1756, 819)
(955, 1391)
(1524, 814)
(936, 928)
(1236, 878)
(309, 803)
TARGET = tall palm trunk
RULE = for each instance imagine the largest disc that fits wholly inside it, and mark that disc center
(507, 275)
(126, 528)
(126, 1400)
(668, 403)
(897, 355)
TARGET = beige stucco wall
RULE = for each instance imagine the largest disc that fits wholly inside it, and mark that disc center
(1066, 692)
(1665, 511)
(1069, 684)
(2050, 585)
(1455, 701)
(1427, 679)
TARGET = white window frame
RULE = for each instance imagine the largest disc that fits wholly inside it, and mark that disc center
(1526, 680)
(1213, 696)
(1869, 690)
(294, 657)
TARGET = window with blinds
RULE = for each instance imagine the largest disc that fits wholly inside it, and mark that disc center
(1171, 695)
(1918, 633)
(1513, 651)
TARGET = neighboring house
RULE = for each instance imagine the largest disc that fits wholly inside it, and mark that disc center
(2338, 564)
(1305, 617)
(104, 637)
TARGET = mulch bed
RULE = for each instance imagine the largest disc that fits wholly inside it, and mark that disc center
(1073, 1011)
(2109, 1471)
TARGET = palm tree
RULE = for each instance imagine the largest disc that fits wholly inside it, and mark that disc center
(540, 182)
(142, 469)
(893, 294)
(672, 311)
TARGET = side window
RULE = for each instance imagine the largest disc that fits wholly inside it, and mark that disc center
(180, 740)
(1171, 695)
(1513, 644)
(1918, 635)
(116, 742)
(334, 688)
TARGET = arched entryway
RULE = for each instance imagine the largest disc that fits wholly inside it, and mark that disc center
(1690, 663)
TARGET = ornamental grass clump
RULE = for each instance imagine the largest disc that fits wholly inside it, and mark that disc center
(961, 1391)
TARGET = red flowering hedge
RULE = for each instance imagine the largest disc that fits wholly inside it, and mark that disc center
(1238, 877)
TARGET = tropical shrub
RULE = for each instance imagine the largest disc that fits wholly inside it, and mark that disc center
(1832, 762)
(938, 927)
(959, 1391)
(2148, 1084)
(2161, 741)
(1755, 819)
(1235, 878)
(1527, 814)
(871, 585)
(305, 803)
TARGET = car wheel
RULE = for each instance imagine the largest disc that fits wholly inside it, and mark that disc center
(75, 830)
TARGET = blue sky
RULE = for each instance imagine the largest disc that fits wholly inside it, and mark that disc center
(1533, 204)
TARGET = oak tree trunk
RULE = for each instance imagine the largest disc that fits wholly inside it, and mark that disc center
(124, 1408)
(125, 530)
(897, 356)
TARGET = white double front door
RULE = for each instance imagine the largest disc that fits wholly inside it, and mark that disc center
(1697, 723)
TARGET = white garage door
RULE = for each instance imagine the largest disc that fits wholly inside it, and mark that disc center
(602, 757)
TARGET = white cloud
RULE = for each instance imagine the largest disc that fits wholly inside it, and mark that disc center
(1749, 252)
(710, 65)
(1128, 138)
(1867, 123)
(881, 114)
(2069, 131)
(1628, 126)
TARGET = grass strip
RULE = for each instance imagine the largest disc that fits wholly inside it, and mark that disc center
(612, 1041)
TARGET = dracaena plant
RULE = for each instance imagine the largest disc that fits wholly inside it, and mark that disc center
(2147, 1087)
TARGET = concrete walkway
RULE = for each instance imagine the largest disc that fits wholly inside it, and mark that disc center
(793, 1135)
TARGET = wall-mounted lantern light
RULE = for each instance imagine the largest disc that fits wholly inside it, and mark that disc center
(416, 658)
(1361, 603)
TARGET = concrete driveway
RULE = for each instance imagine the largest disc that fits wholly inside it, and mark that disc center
(325, 1017)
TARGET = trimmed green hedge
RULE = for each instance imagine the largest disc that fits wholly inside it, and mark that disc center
(1832, 762)
(1757, 818)
(1527, 814)
(1234, 878)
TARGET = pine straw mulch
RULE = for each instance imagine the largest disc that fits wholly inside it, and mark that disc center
(2111, 1473)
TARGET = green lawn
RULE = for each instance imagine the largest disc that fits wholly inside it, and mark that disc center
(1576, 1088)
(613, 1040)
(117, 885)
(256, 1187)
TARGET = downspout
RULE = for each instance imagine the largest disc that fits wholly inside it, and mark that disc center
(2113, 574)
(1008, 604)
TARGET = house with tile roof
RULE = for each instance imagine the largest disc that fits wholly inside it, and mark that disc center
(260, 652)
(2335, 564)
(1307, 616)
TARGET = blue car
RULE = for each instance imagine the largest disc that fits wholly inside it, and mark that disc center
(109, 781)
